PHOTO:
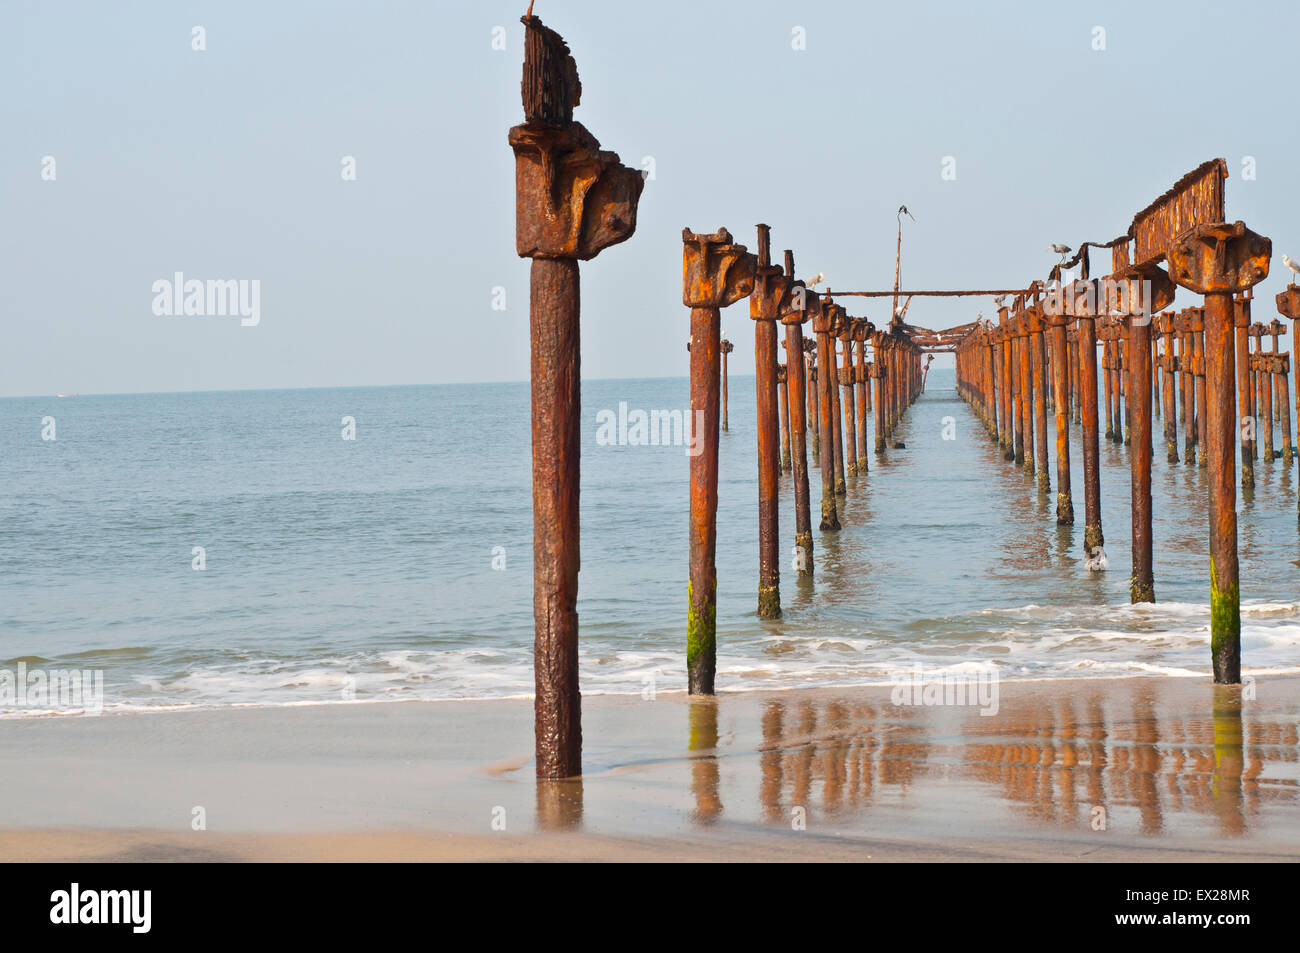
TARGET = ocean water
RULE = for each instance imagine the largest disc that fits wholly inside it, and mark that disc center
(363, 570)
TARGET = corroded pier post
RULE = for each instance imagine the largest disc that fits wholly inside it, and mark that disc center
(814, 403)
(1093, 538)
(1024, 346)
(715, 273)
(769, 295)
(572, 200)
(1263, 394)
(1168, 374)
(845, 376)
(1034, 322)
(821, 322)
(1061, 364)
(878, 348)
(862, 328)
(783, 404)
(1136, 293)
(801, 305)
(1288, 305)
(1282, 402)
(1219, 260)
(1245, 386)
(831, 369)
(727, 348)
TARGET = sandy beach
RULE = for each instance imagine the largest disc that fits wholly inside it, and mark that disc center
(1070, 770)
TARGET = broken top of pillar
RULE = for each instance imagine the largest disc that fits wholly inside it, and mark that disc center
(1288, 303)
(1138, 290)
(1219, 258)
(715, 272)
(572, 199)
(826, 319)
(800, 304)
(771, 286)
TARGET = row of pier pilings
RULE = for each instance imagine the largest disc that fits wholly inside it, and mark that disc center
(1103, 354)
(820, 395)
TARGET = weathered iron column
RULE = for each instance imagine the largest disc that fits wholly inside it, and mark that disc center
(1024, 343)
(727, 348)
(1056, 321)
(1245, 388)
(1263, 392)
(1136, 294)
(715, 273)
(1288, 305)
(814, 404)
(1168, 402)
(572, 200)
(770, 294)
(802, 303)
(821, 320)
(845, 376)
(1034, 320)
(1093, 538)
(878, 374)
(832, 372)
(861, 329)
(1219, 260)
(783, 405)
(1283, 400)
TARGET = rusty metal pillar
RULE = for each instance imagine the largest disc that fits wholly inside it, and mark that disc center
(814, 402)
(1024, 342)
(769, 295)
(801, 306)
(1288, 305)
(727, 348)
(1245, 387)
(1037, 344)
(1282, 389)
(1072, 339)
(1219, 260)
(844, 374)
(1056, 322)
(1093, 538)
(715, 273)
(783, 404)
(878, 375)
(861, 328)
(1197, 319)
(1136, 294)
(571, 201)
(1107, 374)
(833, 384)
(1263, 392)
(1018, 398)
(821, 320)
(1168, 373)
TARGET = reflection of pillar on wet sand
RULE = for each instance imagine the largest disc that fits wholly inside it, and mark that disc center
(803, 757)
(559, 804)
(835, 752)
(769, 761)
(1228, 759)
(1146, 763)
(703, 746)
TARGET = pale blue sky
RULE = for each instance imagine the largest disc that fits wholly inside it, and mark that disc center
(226, 164)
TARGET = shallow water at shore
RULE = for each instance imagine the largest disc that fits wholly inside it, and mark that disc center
(363, 569)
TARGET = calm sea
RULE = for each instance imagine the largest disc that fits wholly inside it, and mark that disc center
(398, 565)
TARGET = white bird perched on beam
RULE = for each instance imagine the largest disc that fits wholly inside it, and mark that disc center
(815, 280)
(1000, 301)
(1060, 249)
(1295, 268)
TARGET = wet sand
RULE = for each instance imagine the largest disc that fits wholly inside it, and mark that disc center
(1099, 770)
